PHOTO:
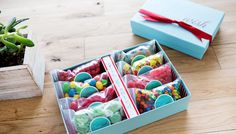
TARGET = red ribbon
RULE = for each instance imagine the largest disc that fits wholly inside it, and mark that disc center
(149, 16)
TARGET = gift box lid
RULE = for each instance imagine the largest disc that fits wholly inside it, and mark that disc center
(203, 18)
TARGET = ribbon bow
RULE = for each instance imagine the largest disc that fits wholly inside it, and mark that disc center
(150, 16)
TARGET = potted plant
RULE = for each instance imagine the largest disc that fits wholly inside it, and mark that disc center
(22, 66)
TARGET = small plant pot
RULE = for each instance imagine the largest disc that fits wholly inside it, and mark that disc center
(26, 80)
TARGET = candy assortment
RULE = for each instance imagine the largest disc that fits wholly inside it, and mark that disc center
(140, 63)
(146, 99)
(87, 120)
(144, 75)
(93, 68)
(89, 93)
(162, 74)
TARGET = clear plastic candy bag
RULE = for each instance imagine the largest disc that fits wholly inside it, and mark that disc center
(93, 68)
(162, 74)
(112, 111)
(148, 49)
(152, 61)
(103, 96)
(145, 99)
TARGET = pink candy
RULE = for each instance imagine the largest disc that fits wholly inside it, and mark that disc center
(162, 73)
(103, 96)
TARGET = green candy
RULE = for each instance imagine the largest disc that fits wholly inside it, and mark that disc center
(104, 82)
(78, 89)
(66, 87)
(116, 117)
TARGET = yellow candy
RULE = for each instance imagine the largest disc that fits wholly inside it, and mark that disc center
(72, 84)
(153, 63)
(99, 85)
(76, 96)
(126, 67)
(66, 95)
(85, 85)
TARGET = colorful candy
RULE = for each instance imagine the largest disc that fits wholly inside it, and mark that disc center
(147, 99)
(162, 74)
(172, 89)
(71, 92)
(154, 61)
(140, 66)
(146, 50)
(99, 85)
(83, 118)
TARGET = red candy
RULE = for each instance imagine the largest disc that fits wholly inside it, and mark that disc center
(93, 68)
(74, 105)
(103, 96)
(162, 73)
(65, 75)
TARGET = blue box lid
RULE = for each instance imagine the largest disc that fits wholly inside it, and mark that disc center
(174, 36)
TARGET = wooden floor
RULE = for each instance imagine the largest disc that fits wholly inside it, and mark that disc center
(70, 31)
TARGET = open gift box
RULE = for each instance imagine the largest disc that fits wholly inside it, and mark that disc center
(120, 91)
(179, 24)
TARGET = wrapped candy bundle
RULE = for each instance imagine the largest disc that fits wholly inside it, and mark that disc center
(103, 96)
(93, 68)
(99, 116)
(139, 63)
(162, 74)
(147, 50)
(147, 100)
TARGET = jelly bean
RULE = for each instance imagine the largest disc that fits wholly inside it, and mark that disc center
(72, 84)
(66, 95)
(76, 96)
(104, 82)
(97, 78)
(66, 87)
(92, 82)
(74, 105)
(78, 89)
(85, 85)
(72, 92)
(99, 85)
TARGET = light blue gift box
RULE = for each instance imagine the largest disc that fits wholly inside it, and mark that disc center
(135, 122)
(174, 36)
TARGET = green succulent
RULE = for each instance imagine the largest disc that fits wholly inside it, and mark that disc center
(11, 39)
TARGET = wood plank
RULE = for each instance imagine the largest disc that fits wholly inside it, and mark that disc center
(226, 55)
(72, 53)
(212, 84)
(96, 46)
(203, 116)
(31, 107)
(44, 125)
(15, 77)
